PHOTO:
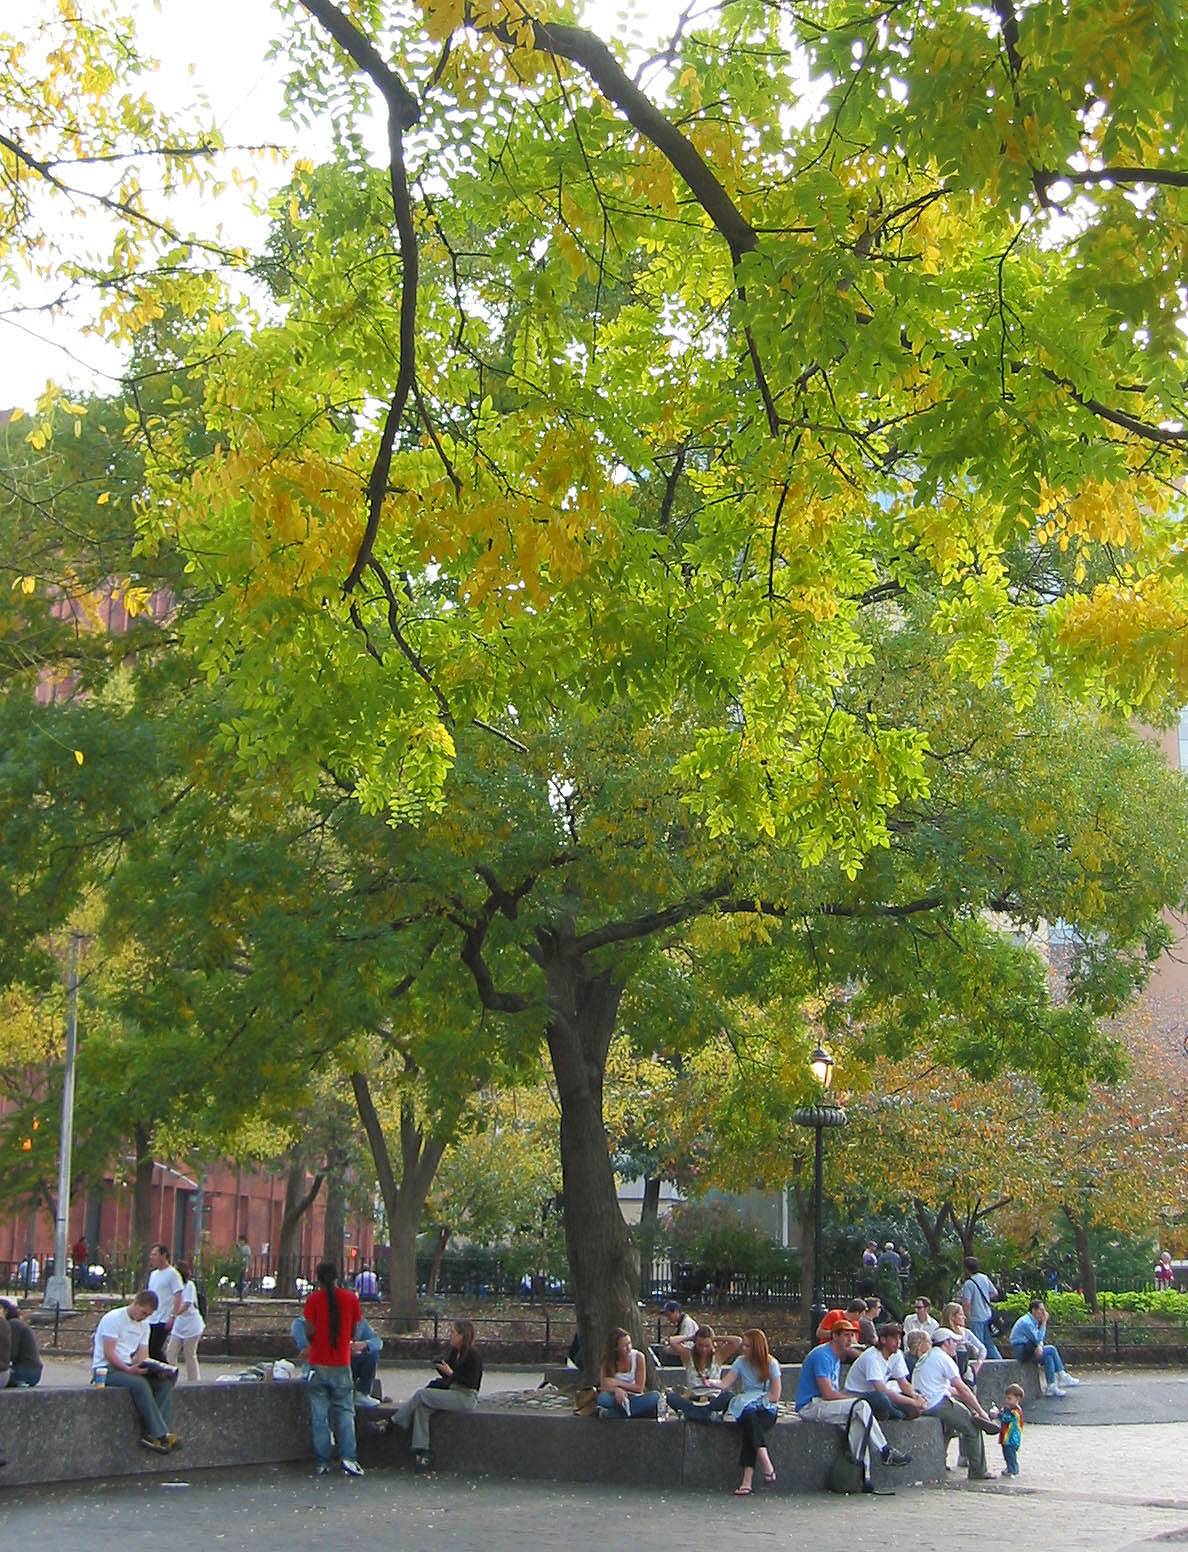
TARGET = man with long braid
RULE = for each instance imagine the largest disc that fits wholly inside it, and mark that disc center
(331, 1316)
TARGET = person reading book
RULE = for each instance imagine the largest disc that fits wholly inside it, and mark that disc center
(120, 1357)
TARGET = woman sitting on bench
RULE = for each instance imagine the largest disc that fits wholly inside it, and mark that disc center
(704, 1353)
(622, 1383)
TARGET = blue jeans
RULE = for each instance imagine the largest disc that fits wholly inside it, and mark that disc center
(25, 1374)
(332, 1407)
(981, 1329)
(1052, 1361)
(699, 1411)
(1010, 1453)
(646, 1405)
(363, 1370)
(152, 1396)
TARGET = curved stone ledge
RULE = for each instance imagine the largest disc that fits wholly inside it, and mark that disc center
(62, 1435)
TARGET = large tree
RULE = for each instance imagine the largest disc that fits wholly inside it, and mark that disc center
(617, 472)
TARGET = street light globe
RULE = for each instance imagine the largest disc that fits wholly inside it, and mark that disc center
(822, 1065)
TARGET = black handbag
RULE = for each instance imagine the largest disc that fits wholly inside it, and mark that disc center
(846, 1474)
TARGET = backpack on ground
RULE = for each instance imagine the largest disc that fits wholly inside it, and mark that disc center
(847, 1473)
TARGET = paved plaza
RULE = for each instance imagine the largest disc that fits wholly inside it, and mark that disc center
(1088, 1485)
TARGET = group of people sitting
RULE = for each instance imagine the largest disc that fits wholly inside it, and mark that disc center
(922, 1368)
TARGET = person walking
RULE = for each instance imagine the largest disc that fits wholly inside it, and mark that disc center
(188, 1325)
(165, 1282)
(331, 1316)
(977, 1295)
(456, 1389)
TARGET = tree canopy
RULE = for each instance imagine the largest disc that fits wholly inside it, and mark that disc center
(665, 517)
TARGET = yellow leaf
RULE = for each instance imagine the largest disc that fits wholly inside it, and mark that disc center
(27, 584)
(15, 415)
(78, 756)
(103, 498)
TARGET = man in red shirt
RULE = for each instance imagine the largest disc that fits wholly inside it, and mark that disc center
(331, 1315)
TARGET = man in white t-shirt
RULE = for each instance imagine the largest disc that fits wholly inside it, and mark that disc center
(881, 1376)
(165, 1281)
(682, 1325)
(120, 1352)
(938, 1381)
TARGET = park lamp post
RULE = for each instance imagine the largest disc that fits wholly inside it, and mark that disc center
(819, 1116)
(57, 1289)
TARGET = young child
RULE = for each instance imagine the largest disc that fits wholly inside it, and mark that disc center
(1010, 1429)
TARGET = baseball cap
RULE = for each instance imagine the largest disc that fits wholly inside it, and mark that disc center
(943, 1334)
(846, 1327)
(669, 1306)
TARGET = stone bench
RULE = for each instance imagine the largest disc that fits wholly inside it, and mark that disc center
(996, 1375)
(70, 1435)
(559, 1447)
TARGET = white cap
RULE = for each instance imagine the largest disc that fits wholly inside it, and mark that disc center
(943, 1334)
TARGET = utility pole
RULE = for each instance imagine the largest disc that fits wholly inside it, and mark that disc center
(58, 1293)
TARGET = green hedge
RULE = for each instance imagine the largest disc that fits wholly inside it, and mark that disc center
(1071, 1309)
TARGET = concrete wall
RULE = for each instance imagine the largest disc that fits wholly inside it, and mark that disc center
(60, 1435)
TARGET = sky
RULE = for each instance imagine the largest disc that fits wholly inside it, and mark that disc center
(212, 57)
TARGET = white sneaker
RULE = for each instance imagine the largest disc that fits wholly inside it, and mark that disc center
(1068, 1379)
(352, 1468)
(1055, 1390)
(662, 1409)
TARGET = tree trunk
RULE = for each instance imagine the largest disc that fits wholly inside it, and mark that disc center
(334, 1227)
(649, 1217)
(439, 1250)
(805, 1216)
(404, 1201)
(298, 1201)
(1088, 1271)
(932, 1227)
(603, 1263)
(143, 1228)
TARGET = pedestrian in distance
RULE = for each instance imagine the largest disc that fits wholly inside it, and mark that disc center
(977, 1295)
(188, 1325)
(165, 1282)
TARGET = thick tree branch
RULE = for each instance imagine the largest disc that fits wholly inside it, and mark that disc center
(1140, 428)
(1172, 177)
(652, 921)
(403, 112)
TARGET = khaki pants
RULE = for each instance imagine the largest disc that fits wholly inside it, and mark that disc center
(957, 1421)
(417, 1409)
(188, 1347)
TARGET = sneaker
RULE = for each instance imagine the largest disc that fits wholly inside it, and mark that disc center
(662, 1410)
(893, 1457)
(365, 1401)
(158, 1446)
(983, 1476)
(423, 1463)
(172, 1440)
(352, 1467)
(1055, 1390)
(323, 1468)
(1067, 1379)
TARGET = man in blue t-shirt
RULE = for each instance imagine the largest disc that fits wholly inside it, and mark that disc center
(820, 1399)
